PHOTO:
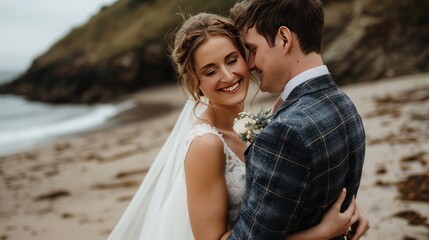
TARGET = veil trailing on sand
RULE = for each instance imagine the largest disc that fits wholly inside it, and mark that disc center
(159, 210)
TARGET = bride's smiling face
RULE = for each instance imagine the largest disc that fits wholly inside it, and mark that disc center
(222, 71)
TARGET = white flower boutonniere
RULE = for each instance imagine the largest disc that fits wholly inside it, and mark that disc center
(248, 126)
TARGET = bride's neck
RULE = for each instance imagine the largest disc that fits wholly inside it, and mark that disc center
(222, 118)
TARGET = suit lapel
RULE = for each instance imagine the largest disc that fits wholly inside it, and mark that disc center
(312, 85)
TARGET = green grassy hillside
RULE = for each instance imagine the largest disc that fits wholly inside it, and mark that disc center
(127, 24)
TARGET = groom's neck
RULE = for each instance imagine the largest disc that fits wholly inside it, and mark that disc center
(303, 63)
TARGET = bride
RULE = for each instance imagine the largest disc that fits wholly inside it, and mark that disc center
(196, 184)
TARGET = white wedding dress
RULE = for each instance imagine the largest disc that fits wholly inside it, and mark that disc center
(159, 211)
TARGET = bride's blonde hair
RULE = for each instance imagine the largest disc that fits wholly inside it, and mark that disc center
(193, 32)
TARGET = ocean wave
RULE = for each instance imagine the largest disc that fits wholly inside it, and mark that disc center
(90, 119)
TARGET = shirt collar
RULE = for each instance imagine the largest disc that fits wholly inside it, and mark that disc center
(303, 77)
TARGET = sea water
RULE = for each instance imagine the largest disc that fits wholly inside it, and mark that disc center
(24, 124)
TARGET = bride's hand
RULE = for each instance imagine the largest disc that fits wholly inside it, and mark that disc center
(335, 223)
(360, 227)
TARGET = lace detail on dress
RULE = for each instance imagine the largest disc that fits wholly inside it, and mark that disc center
(235, 171)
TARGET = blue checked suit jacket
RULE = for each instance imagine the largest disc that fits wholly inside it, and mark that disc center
(298, 165)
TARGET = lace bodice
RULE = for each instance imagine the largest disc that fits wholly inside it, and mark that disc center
(234, 171)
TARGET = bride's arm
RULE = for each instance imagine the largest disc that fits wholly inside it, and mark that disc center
(333, 224)
(206, 187)
(208, 198)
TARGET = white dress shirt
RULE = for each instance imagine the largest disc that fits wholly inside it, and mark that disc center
(303, 77)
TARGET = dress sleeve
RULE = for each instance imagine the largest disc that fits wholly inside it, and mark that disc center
(277, 184)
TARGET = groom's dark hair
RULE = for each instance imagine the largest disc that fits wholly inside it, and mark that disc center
(303, 17)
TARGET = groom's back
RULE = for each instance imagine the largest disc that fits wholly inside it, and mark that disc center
(334, 136)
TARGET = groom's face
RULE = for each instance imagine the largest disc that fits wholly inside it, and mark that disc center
(264, 61)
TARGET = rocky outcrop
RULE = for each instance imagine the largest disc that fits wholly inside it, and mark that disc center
(75, 80)
(381, 39)
(123, 48)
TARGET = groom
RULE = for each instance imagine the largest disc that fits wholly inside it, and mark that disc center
(315, 143)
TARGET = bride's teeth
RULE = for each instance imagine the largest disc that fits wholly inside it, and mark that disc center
(232, 88)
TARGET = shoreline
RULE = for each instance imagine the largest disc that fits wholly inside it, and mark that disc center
(140, 112)
(78, 187)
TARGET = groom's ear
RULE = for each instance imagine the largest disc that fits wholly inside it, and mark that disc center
(284, 38)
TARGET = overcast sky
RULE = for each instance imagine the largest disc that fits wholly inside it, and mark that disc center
(29, 27)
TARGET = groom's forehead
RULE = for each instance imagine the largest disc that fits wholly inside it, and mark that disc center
(249, 35)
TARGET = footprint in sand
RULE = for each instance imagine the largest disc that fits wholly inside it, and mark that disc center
(53, 195)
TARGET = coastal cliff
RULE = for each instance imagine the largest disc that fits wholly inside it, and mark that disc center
(123, 48)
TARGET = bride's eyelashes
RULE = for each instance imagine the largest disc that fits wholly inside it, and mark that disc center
(211, 72)
(232, 61)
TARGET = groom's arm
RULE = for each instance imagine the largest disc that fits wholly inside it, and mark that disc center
(278, 181)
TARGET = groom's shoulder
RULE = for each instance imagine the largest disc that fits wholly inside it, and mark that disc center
(324, 101)
(307, 111)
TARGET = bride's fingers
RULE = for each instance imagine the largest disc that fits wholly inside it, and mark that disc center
(362, 227)
(340, 199)
(356, 213)
(348, 215)
(351, 209)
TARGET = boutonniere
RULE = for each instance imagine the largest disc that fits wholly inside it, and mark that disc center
(248, 125)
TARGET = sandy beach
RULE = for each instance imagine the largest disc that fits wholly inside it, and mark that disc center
(77, 188)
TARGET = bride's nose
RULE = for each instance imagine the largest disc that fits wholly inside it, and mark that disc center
(227, 75)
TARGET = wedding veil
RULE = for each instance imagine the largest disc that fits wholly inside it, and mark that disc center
(159, 210)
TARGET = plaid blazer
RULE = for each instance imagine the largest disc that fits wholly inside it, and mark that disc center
(298, 165)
